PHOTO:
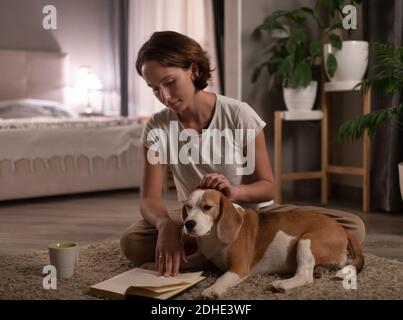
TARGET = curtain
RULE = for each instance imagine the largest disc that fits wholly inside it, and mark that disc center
(387, 146)
(194, 18)
(115, 98)
(218, 8)
(123, 53)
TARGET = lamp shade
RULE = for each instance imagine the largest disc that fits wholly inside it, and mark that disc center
(88, 80)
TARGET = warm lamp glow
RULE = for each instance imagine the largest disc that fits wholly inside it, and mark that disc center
(88, 81)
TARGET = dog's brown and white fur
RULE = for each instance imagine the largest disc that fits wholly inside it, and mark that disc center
(242, 242)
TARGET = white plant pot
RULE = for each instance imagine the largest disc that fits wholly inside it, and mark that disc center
(401, 178)
(352, 61)
(301, 99)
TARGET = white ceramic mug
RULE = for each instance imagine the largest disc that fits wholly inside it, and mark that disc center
(64, 256)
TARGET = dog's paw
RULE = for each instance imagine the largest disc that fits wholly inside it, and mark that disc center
(211, 293)
(277, 286)
(148, 266)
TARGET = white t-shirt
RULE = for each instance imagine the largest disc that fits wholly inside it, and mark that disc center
(187, 152)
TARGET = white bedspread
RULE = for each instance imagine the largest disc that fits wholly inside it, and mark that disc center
(45, 138)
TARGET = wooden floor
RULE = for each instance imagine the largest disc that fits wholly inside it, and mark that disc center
(28, 225)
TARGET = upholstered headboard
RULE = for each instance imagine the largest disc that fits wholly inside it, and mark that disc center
(32, 74)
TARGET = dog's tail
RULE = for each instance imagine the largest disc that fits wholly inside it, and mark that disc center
(356, 265)
(355, 251)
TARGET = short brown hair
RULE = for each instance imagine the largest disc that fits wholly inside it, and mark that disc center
(173, 49)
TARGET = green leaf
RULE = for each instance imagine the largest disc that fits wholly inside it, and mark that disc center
(389, 69)
(275, 25)
(273, 64)
(314, 48)
(291, 45)
(287, 65)
(371, 122)
(307, 10)
(297, 39)
(297, 17)
(271, 47)
(335, 41)
(279, 13)
(284, 71)
(338, 25)
(319, 22)
(299, 35)
(270, 25)
(331, 64)
(302, 76)
(336, 6)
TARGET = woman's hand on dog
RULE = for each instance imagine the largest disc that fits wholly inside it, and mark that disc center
(169, 252)
(221, 183)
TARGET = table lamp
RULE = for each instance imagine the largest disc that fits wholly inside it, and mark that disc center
(88, 81)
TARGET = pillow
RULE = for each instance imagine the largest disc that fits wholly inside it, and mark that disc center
(29, 108)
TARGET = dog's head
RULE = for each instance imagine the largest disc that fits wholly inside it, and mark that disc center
(204, 209)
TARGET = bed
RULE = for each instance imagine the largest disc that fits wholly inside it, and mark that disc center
(46, 149)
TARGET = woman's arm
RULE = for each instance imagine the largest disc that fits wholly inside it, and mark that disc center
(152, 207)
(261, 189)
(169, 250)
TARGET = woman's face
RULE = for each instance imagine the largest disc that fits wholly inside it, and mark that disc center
(172, 86)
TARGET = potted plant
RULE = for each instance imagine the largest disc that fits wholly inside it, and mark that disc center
(388, 80)
(345, 60)
(289, 59)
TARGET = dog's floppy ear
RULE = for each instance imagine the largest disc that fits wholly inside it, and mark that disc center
(184, 213)
(229, 221)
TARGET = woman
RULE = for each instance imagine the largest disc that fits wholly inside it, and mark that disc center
(176, 68)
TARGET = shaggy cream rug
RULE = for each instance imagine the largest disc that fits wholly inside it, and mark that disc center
(21, 278)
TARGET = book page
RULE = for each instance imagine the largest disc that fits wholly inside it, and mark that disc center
(150, 278)
(144, 278)
(163, 288)
(137, 291)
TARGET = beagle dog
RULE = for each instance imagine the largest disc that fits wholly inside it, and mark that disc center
(242, 242)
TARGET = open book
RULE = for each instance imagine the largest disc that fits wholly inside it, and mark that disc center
(145, 283)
